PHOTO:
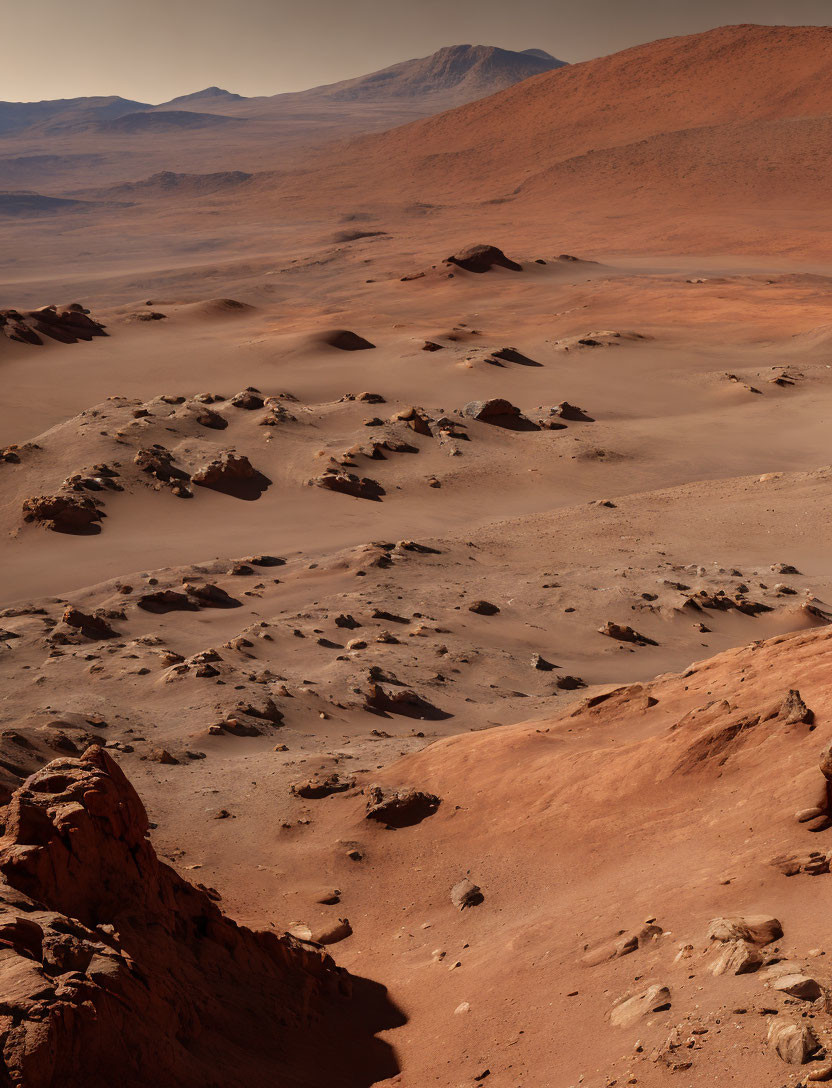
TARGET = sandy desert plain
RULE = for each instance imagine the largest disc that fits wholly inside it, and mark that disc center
(429, 524)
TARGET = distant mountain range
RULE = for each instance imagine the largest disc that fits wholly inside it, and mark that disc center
(452, 76)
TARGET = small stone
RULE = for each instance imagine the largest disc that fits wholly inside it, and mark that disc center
(654, 999)
(466, 894)
(800, 986)
(483, 608)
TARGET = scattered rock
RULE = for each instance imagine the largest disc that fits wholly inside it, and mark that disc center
(623, 633)
(92, 627)
(571, 412)
(70, 513)
(401, 701)
(400, 807)
(162, 755)
(794, 1043)
(736, 958)
(346, 483)
(797, 985)
(211, 596)
(482, 258)
(624, 944)
(759, 929)
(794, 711)
(655, 998)
(157, 462)
(483, 608)
(166, 600)
(232, 474)
(466, 894)
(250, 399)
(541, 664)
(316, 787)
(499, 413)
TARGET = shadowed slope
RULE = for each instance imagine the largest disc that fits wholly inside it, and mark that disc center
(139, 977)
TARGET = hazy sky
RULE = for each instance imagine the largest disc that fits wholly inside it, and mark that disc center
(153, 50)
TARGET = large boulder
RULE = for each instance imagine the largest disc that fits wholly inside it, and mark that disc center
(322, 786)
(400, 808)
(628, 1011)
(90, 626)
(64, 513)
(794, 1043)
(232, 474)
(736, 958)
(482, 258)
(466, 894)
(499, 413)
(758, 929)
(157, 461)
(624, 633)
(347, 483)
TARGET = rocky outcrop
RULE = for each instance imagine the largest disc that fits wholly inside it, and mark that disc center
(483, 608)
(794, 1043)
(401, 807)
(90, 626)
(631, 1009)
(157, 461)
(793, 710)
(67, 326)
(232, 474)
(624, 633)
(482, 258)
(322, 786)
(402, 701)
(347, 483)
(115, 970)
(758, 929)
(249, 398)
(622, 945)
(499, 413)
(69, 513)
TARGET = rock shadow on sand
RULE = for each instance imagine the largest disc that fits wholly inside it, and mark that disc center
(512, 355)
(248, 489)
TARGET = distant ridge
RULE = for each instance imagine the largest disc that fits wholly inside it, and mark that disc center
(210, 93)
(450, 77)
(458, 73)
(18, 116)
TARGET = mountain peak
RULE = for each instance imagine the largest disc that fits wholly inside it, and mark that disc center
(208, 92)
(457, 73)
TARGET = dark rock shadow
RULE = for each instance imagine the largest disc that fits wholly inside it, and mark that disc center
(248, 489)
(482, 258)
(85, 530)
(346, 340)
(511, 355)
(511, 423)
(167, 600)
(406, 704)
(354, 1056)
